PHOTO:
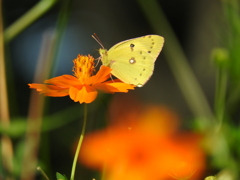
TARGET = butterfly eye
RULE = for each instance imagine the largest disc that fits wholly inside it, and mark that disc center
(132, 45)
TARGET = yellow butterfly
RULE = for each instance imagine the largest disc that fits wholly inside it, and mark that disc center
(132, 61)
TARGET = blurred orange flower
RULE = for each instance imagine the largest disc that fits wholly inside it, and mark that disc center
(149, 148)
(83, 86)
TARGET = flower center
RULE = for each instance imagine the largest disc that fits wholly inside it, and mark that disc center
(83, 67)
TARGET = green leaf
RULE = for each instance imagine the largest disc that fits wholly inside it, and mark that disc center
(61, 177)
(17, 128)
(210, 178)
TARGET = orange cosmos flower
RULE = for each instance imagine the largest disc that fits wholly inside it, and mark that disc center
(141, 152)
(83, 86)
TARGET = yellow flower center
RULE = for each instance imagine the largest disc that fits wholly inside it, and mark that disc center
(83, 67)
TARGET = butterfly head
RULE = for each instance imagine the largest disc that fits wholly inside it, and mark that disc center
(104, 57)
(102, 52)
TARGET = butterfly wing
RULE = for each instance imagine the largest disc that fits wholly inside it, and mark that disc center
(133, 60)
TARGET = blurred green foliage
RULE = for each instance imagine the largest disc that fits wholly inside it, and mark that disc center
(221, 126)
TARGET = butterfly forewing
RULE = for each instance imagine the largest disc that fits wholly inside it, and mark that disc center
(133, 60)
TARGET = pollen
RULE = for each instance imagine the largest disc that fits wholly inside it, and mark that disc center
(83, 67)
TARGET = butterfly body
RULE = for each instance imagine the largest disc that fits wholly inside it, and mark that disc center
(132, 61)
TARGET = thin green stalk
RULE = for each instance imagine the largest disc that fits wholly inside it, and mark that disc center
(43, 173)
(177, 61)
(35, 113)
(220, 97)
(6, 149)
(79, 142)
(233, 99)
(59, 32)
(23, 22)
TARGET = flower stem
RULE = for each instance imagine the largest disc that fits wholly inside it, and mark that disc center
(6, 148)
(36, 112)
(32, 15)
(220, 97)
(178, 61)
(79, 142)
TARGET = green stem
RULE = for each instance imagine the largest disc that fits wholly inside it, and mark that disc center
(221, 85)
(177, 61)
(59, 32)
(23, 22)
(233, 99)
(79, 142)
(6, 148)
(43, 173)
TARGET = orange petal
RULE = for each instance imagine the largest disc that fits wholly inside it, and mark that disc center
(63, 81)
(114, 81)
(86, 94)
(50, 90)
(136, 153)
(102, 75)
(113, 87)
(122, 87)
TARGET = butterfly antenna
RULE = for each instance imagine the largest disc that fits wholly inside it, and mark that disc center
(94, 36)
